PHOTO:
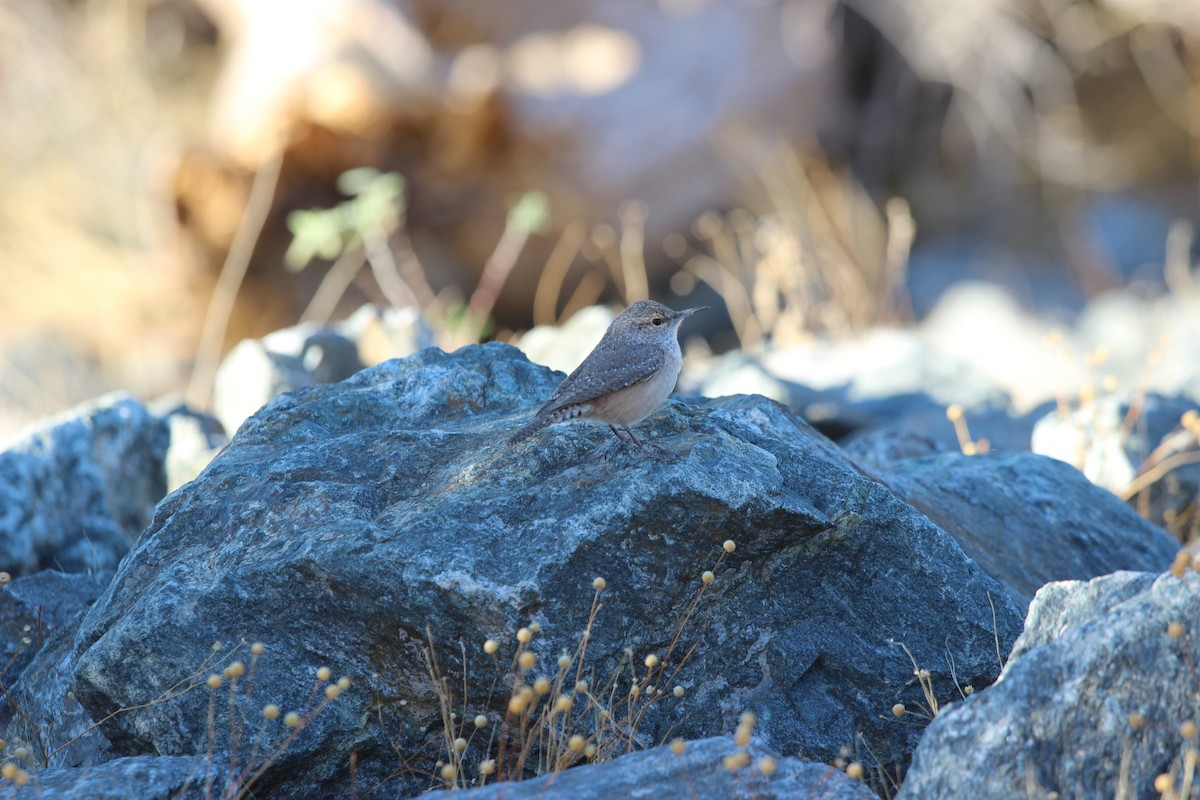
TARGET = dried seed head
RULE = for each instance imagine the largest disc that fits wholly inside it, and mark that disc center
(291, 719)
(217, 645)
(491, 646)
(214, 681)
(954, 412)
(563, 704)
(854, 770)
(564, 661)
(748, 719)
(742, 737)
(481, 721)
(598, 584)
(730, 545)
(487, 767)
(524, 635)
(1136, 720)
(589, 751)
(576, 743)
(898, 710)
(9, 770)
(343, 683)
(21, 778)
(1187, 729)
(235, 670)
(527, 659)
(735, 761)
(460, 744)
(581, 686)
(271, 711)
(707, 577)
(635, 690)
(517, 704)
(651, 661)
(257, 649)
(332, 691)
(449, 773)
(1162, 784)
(766, 765)
(1175, 629)
(541, 686)
(323, 674)
(535, 627)
(677, 691)
(678, 746)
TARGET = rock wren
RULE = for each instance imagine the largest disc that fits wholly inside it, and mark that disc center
(627, 376)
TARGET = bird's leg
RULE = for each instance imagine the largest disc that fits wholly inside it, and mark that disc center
(649, 449)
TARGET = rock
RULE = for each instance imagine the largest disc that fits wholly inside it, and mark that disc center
(195, 438)
(75, 494)
(347, 523)
(41, 714)
(1058, 720)
(256, 370)
(698, 772)
(143, 777)
(34, 606)
(1028, 520)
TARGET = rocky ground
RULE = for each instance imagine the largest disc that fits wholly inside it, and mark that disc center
(837, 592)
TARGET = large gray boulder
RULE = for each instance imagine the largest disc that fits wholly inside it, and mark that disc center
(1027, 519)
(699, 771)
(349, 525)
(75, 494)
(1058, 722)
(141, 777)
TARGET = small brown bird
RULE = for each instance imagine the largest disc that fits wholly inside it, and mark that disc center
(625, 379)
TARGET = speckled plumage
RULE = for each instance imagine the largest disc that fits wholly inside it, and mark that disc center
(625, 378)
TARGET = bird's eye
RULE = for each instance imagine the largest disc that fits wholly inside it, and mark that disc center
(656, 321)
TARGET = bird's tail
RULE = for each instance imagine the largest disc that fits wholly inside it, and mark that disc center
(528, 429)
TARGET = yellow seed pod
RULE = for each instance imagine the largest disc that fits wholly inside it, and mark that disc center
(564, 661)
(271, 711)
(735, 761)
(678, 691)
(1136, 720)
(563, 704)
(257, 649)
(766, 765)
(535, 627)
(460, 744)
(333, 691)
(678, 746)
(1175, 630)
(581, 686)
(524, 635)
(214, 681)
(343, 683)
(1187, 729)
(576, 743)
(599, 583)
(707, 577)
(589, 751)
(235, 670)
(491, 646)
(742, 737)
(854, 770)
(487, 767)
(323, 674)
(291, 719)
(449, 773)
(730, 545)
(527, 659)
(481, 721)
(517, 704)
(9, 770)
(541, 686)
(651, 661)
(898, 710)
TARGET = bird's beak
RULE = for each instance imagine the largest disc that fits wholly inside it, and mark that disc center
(687, 312)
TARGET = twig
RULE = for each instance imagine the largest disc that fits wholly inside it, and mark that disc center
(229, 282)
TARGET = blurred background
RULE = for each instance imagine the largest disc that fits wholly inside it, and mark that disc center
(180, 175)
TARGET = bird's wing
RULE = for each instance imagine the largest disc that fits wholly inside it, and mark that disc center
(606, 369)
